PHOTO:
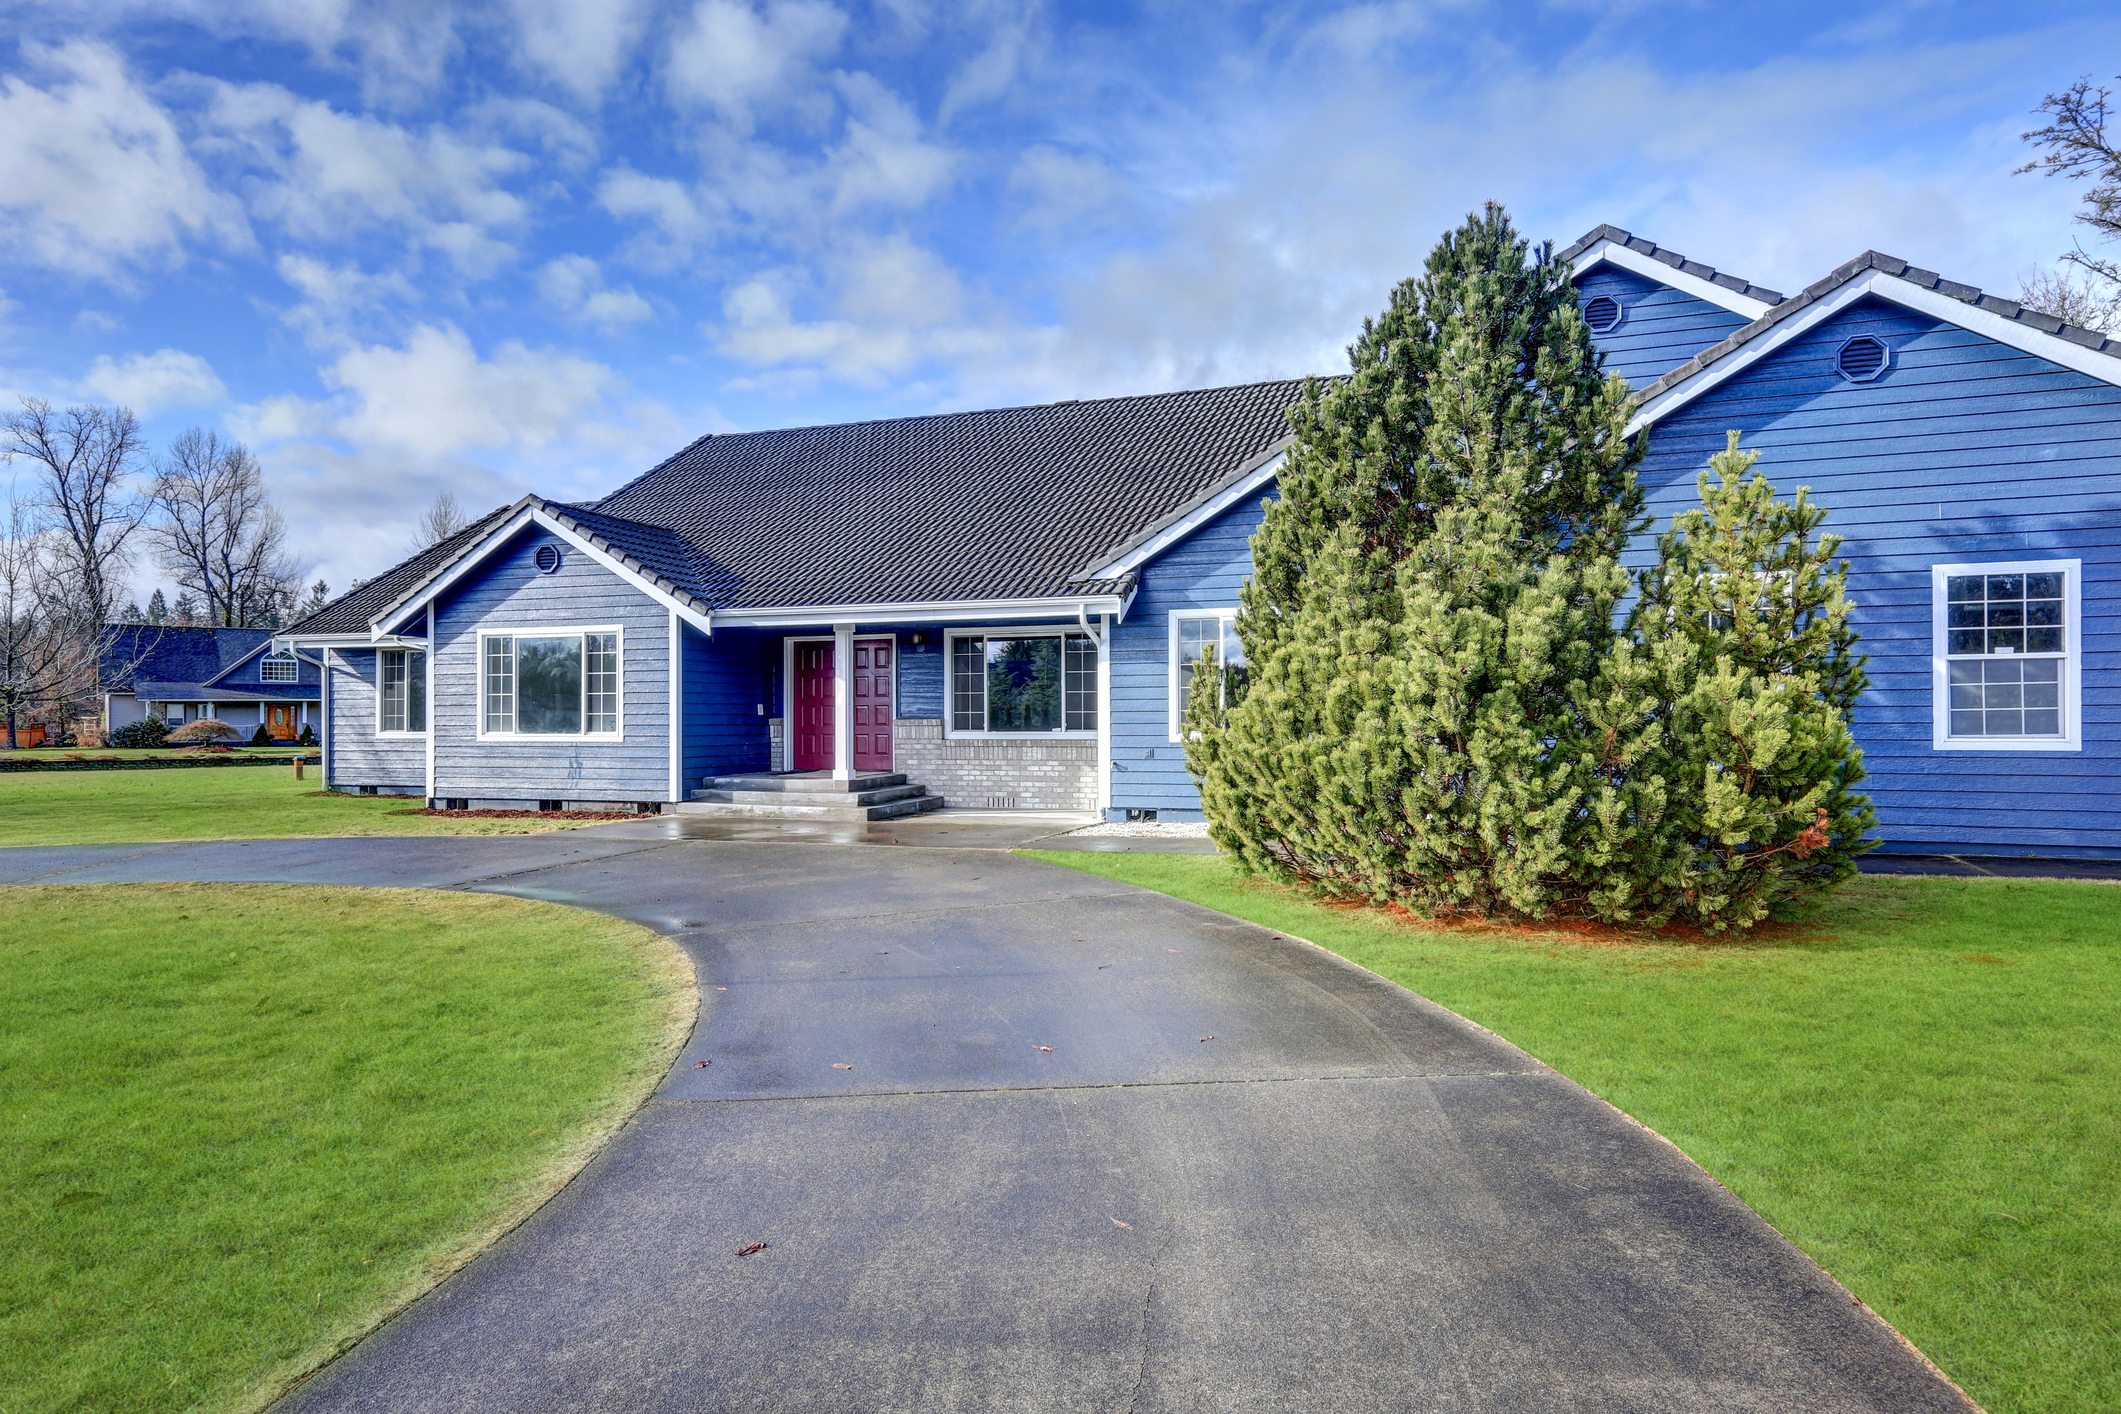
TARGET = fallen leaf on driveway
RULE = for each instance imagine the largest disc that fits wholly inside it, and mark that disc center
(754, 1247)
(1047, 1049)
(1128, 1226)
(1103, 965)
(1207, 1038)
(1170, 949)
(721, 989)
(841, 1065)
(701, 1065)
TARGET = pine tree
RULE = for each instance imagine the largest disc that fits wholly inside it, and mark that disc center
(186, 609)
(132, 613)
(1432, 593)
(157, 609)
(1743, 627)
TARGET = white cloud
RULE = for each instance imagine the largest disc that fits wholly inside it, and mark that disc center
(574, 285)
(1060, 188)
(578, 45)
(735, 58)
(94, 177)
(676, 218)
(436, 397)
(987, 75)
(335, 298)
(882, 159)
(156, 382)
(323, 175)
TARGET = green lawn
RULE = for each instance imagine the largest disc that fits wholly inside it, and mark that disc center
(211, 803)
(247, 1121)
(1922, 1089)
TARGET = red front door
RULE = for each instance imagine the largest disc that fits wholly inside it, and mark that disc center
(813, 707)
(873, 680)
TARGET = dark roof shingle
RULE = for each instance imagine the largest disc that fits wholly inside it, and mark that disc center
(1672, 258)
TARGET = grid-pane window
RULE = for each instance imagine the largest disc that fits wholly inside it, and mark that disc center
(1192, 637)
(602, 651)
(500, 678)
(404, 690)
(279, 669)
(2006, 697)
(555, 684)
(2003, 613)
(2006, 644)
(1023, 684)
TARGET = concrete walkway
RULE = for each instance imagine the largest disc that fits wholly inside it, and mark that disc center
(1246, 1176)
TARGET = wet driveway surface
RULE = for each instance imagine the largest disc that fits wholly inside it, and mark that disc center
(1246, 1176)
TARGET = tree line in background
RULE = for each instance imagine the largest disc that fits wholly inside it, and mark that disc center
(87, 500)
(2074, 145)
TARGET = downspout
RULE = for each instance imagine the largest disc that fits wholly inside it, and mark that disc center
(428, 692)
(323, 667)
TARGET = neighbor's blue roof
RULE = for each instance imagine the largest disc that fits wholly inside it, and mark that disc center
(168, 653)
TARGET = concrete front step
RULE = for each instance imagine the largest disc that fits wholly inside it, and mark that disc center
(831, 799)
(917, 804)
(806, 782)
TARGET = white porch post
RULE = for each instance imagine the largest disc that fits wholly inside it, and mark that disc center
(1104, 714)
(843, 702)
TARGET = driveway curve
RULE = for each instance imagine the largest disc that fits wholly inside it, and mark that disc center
(1245, 1176)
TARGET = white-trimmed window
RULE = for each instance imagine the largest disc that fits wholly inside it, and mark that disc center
(401, 695)
(1022, 682)
(1193, 632)
(550, 682)
(2006, 652)
(279, 667)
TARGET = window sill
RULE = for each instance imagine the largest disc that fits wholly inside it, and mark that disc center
(546, 738)
(401, 736)
(1015, 736)
(2007, 743)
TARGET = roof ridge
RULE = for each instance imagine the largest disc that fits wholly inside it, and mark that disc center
(1664, 255)
(1898, 269)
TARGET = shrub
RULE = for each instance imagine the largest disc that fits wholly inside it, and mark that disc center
(261, 737)
(152, 732)
(308, 737)
(206, 729)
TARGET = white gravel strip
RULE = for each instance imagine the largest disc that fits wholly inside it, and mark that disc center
(1151, 829)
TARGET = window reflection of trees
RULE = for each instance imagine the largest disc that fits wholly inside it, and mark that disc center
(1023, 684)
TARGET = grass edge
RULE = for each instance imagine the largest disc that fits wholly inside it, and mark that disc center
(672, 972)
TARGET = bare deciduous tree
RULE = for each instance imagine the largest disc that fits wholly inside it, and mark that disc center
(2056, 293)
(2074, 144)
(48, 653)
(443, 519)
(85, 458)
(219, 535)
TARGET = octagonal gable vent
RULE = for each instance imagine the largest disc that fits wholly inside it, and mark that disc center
(548, 558)
(1602, 313)
(1862, 358)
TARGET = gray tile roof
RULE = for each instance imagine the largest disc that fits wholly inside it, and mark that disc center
(1672, 258)
(1009, 503)
(149, 691)
(1003, 504)
(1894, 266)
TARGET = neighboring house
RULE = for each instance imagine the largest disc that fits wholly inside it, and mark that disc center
(182, 674)
(1002, 606)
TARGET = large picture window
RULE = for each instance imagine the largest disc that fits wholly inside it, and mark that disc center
(402, 698)
(551, 683)
(279, 667)
(1023, 683)
(1193, 633)
(2006, 654)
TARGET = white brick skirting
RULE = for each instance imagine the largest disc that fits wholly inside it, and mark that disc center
(996, 775)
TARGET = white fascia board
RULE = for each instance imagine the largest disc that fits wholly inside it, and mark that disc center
(1731, 365)
(948, 611)
(1636, 263)
(1974, 319)
(471, 559)
(1248, 485)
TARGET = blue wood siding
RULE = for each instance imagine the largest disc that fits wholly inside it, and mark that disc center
(251, 671)
(358, 756)
(920, 674)
(509, 593)
(727, 679)
(1966, 450)
(1662, 328)
(1204, 571)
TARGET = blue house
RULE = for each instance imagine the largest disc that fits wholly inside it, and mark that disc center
(181, 674)
(1001, 608)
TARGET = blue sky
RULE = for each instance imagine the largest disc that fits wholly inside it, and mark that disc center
(406, 245)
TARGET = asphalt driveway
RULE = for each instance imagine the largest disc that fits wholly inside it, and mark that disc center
(1245, 1176)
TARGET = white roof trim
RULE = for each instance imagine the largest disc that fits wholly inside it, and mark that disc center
(1249, 484)
(2104, 367)
(1636, 263)
(522, 520)
(936, 611)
